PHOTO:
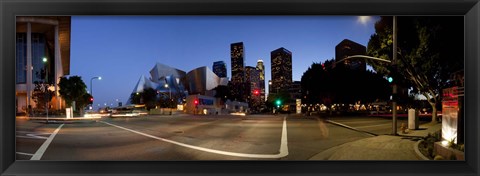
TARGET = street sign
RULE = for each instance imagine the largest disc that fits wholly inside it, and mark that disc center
(450, 114)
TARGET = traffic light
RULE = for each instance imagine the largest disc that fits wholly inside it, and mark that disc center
(91, 100)
(195, 102)
(393, 74)
(278, 103)
(256, 92)
(390, 79)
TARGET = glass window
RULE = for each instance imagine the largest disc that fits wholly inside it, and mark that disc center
(21, 58)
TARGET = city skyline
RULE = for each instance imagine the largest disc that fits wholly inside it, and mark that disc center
(128, 46)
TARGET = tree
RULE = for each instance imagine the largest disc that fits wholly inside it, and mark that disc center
(429, 49)
(136, 98)
(41, 95)
(74, 89)
(323, 84)
(148, 97)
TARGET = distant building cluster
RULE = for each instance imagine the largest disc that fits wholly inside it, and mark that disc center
(247, 83)
(43, 48)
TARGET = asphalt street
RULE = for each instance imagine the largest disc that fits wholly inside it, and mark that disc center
(188, 137)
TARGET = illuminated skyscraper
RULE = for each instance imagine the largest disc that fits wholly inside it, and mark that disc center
(238, 71)
(238, 62)
(281, 63)
(261, 69)
(253, 87)
(220, 68)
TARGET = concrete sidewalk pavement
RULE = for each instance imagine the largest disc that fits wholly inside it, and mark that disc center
(383, 147)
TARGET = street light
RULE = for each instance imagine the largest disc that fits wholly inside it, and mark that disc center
(392, 62)
(46, 82)
(170, 97)
(91, 88)
(390, 80)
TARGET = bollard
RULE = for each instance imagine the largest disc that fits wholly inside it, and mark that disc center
(412, 119)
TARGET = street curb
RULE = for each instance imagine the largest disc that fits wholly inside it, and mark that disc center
(349, 127)
(326, 154)
(417, 151)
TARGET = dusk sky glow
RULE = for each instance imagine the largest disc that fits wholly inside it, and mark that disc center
(121, 49)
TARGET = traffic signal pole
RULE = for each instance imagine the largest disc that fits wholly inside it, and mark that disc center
(394, 86)
(394, 69)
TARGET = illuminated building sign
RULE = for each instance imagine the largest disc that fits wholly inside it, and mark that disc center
(450, 113)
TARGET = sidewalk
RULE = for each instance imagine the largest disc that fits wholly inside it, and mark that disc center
(383, 147)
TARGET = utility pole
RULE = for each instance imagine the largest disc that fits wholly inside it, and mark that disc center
(45, 61)
(394, 86)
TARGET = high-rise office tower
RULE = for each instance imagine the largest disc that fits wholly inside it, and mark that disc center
(220, 68)
(237, 54)
(261, 70)
(281, 63)
(253, 87)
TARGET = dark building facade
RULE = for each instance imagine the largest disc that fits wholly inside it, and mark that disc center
(39, 38)
(281, 64)
(349, 48)
(238, 82)
(220, 68)
(295, 90)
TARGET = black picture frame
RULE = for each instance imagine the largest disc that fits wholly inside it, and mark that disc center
(9, 9)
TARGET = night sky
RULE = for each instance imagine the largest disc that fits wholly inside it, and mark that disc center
(121, 49)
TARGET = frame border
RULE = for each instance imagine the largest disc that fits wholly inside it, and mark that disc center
(10, 8)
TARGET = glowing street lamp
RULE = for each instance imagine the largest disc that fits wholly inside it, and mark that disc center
(91, 88)
(169, 90)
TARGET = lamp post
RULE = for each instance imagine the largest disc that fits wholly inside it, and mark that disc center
(170, 96)
(393, 64)
(91, 88)
(394, 87)
(46, 88)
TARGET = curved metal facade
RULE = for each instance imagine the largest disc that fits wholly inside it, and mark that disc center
(202, 79)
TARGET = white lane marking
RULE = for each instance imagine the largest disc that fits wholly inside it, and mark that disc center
(283, 151)
(284, 140)
(32, 135)
(21, 153)
(36, 136)
(38, 155)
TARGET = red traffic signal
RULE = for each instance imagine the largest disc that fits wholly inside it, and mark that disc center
(256, 92)
(195, 102)
(91, 99)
